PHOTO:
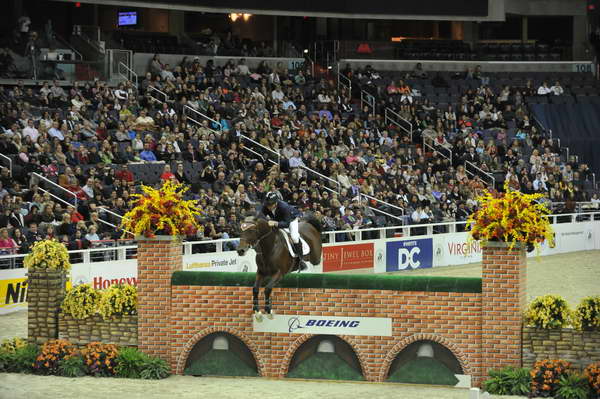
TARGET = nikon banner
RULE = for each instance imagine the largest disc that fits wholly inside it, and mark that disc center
(13, 290)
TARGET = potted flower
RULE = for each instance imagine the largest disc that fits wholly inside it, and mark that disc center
(162, 212)
(47, 264)
(513, 218)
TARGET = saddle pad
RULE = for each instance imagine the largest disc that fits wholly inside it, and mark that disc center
(288, 241)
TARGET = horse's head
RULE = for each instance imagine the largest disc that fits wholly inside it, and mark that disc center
(252, 230)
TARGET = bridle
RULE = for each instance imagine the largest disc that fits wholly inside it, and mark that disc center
(256, 245)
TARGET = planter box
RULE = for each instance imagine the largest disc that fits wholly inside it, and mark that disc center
(46, 290)
(122, 331)
(578, 347)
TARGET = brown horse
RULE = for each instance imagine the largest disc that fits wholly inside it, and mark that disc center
(273, 258)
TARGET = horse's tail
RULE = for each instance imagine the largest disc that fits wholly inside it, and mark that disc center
(312, 219)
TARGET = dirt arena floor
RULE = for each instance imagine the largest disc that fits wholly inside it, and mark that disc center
(573, 276)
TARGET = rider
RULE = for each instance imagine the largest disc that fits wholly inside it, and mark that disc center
(283, 215)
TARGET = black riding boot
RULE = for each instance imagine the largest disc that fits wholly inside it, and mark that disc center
(300, 266)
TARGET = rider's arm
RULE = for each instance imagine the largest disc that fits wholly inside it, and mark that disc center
(286, 217)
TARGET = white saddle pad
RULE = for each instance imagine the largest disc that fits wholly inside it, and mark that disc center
(288, 241)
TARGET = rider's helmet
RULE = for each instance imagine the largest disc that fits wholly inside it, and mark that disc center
(271, 198)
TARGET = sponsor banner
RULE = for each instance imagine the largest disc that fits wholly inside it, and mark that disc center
(301, 324)
(228, 261)
(455, 249)
(102, 275)
(13, 290)
(409, 254)
(348, 257)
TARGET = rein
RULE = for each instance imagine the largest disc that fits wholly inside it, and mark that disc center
(262, 237)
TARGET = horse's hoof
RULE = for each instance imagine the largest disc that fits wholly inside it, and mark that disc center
(258, 316)
(270, 315)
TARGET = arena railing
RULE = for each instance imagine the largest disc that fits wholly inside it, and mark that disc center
(475, 170)
(9, 160)
(344, 81)
(187, 108)
(271, 151)
(397, 119)
(35, 179)
(122, 250)
(369, 100)
(129, 74)
(440, 149)
(166, 97)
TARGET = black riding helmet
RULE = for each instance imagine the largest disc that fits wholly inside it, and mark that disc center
(271, 198)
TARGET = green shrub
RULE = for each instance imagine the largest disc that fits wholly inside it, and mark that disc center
(508, 381)
(572, 386)
(548, 311)
(72, 366)
(18, 360)
(154, 368)
(130, 363)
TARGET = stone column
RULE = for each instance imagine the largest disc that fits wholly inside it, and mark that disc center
(158, 258)
(45, 293)
(504, 284)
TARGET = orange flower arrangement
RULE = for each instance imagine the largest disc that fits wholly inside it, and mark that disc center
(100, 359)
(545, 376)
(592, 372)
(511, 217)
(53, 351)
(162, 211)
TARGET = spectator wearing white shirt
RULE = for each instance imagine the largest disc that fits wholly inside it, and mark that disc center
(277, 94)
(296, 160)
(544, 90)
(539, 184)
(54, 131)
(242, 69)
(31, 131)
(557, 89)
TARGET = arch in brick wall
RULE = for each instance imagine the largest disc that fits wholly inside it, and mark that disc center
(189, 345)
(399, 347)
(285, 364)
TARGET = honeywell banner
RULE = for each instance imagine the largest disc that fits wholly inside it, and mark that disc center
(300, 324)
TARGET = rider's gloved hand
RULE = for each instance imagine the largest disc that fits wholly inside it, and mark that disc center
(273, 223)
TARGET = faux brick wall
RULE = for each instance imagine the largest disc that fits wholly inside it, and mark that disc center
(578, 347)
(450, 318)
(158, 258)
(504, 282)
(121, 331)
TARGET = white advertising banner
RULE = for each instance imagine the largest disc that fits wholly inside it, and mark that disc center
(300, 324)
(228, 261)
(101, 275)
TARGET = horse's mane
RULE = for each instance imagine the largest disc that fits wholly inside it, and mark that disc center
(310, 218)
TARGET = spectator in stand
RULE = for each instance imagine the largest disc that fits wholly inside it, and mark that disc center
(7, 244)
(147, 155)
(544, 90)
(557, 89)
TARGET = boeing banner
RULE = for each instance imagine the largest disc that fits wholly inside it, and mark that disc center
(409, 254)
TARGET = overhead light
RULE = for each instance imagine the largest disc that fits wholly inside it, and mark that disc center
(329, 67)
(305, 51)
(235, 16)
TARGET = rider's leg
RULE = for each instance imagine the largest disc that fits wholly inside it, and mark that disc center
(295, 235)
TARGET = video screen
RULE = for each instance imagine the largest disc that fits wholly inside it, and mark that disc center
(127, 18)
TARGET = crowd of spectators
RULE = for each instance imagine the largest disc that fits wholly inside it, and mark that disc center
(87, 137)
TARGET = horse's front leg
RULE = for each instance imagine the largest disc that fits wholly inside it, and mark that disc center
(274, 280)
(255, 293)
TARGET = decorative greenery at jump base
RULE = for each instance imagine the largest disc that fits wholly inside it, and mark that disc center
(335, 281)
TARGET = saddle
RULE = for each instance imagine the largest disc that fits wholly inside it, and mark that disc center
(288, 241)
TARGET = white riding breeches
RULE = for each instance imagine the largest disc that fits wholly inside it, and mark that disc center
(294, 231)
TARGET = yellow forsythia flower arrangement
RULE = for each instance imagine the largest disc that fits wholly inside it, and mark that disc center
(118, 300)
(587, 315)
(48, 254)
(548, 311)
(512, 217)
(162, 211)
(81, 301)
(11, 345)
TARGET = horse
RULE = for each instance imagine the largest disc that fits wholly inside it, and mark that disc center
(273, 258)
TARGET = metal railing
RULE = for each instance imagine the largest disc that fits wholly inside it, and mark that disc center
(36, 177)
(10, 163)
(119, 250)
(437, 147)
(129, 74)
(370, 198)
(265, 148)
(474, 170)
(369, 100)
(152, 89)
(395, 118)
(322, 176)
(187, 108)
(344, 81)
